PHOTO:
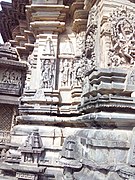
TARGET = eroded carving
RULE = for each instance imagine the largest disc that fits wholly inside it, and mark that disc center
(11, 77)
(80, 42)
(66, 46)
(65, 68)
(49, 48)
(70, 156)
(47, 73)
(79, 76)
(87, 59)
(123, 38)
(131, 77)
(90, 42)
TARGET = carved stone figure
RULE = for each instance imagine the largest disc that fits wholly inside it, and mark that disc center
(90, 41)
(123, 38)
(6, 76)
(87, 58)
(11, 77)
(84, 66)
(131, 77)
(84, 109)
(3, 153)
(49, 48)
(47, 73)
(80, 42)
(65, 73)
(79, 75)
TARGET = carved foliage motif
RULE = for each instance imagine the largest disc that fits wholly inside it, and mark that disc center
(47, 73)
(122, 37)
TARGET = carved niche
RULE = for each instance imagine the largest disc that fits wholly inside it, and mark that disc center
(66, 46)
(65, 72)
(49, 48)
(47, 73)
(48, 65)
(122, 38)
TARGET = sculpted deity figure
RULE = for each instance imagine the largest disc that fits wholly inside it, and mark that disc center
(89, 45)
(12, 77)
(47, 74)
(80, 42)
(131, 77)
(123, 39)
(65, 73)
(6, 76)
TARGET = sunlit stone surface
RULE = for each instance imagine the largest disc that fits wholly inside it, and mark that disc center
(76, 113)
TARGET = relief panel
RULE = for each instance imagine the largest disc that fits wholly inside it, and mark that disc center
(123, 38)
(47, 73)
(65, 72)
(10, 81)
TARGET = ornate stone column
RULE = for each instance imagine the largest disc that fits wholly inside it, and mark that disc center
(46, 22)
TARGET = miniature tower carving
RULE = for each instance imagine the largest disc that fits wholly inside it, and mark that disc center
(32, 152)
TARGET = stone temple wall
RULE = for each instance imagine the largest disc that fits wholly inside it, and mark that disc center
(105, 149)
(77, 112)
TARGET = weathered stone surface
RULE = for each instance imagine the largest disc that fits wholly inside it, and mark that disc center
(78, 52)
